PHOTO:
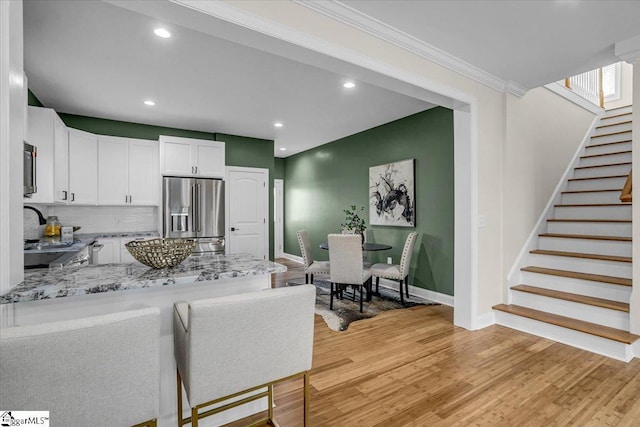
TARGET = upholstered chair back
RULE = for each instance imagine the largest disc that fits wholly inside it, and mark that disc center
(229, 344)
(345, 257)
(305, 247)
(407, 251)
(101, 370)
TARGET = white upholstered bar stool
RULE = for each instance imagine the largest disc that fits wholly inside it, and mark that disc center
(397, 272)
(228, 346)
(311, 267)
(345, 256)
(95, 371)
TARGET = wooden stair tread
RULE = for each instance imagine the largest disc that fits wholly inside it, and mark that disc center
(590, 191)
(586, 236)
(577, 275)
(587, 220)
(577, 205)
(603, 166)
(567, 296)
(619, 108)
(617, 115)
(581, 255)
(608, 143)
(614, 124)
(598, 177)
(606, 154)
(609, 134)
(569, 323)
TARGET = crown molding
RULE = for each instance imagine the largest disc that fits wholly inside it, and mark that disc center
(628, 50)
(356, 19)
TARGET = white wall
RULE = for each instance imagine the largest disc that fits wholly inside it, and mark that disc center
(543, 131)
(12, 116)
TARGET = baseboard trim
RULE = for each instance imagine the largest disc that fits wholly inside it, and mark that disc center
(421, 292)
(484, 320)
(294, 258)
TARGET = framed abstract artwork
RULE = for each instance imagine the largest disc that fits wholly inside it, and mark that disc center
(392, 194)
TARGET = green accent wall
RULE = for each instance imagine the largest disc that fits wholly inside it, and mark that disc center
(239, 150)
(321, 182)
(33, 100)
(279, 172)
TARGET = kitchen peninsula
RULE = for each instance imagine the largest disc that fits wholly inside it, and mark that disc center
(48, 295)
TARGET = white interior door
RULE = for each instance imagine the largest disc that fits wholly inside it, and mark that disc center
(248, 207)
(278, 217)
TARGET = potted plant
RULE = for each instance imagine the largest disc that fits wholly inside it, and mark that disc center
(353, 221)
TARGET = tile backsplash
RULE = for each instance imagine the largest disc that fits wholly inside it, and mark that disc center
(95, 219)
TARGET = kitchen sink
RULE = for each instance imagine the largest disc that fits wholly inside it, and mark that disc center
(38, 245)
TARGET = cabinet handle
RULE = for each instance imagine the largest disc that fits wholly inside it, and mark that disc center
(130, 199)
(193, 169)
(73, 197)
(65, 195)
(196, 170)
(126, 198)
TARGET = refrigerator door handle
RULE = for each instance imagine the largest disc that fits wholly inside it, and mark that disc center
(198, 194)
(193, 208)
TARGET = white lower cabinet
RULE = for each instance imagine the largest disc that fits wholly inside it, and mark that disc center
(114, 250)
(109, 253)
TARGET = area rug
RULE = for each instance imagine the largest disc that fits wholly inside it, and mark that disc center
(346, 310)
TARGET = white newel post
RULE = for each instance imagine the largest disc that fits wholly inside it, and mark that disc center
(634, 310)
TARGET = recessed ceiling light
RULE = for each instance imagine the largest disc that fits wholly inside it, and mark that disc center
(349, 85)
(278, 124)
(149, 102)
(161, 32)
(283, 149)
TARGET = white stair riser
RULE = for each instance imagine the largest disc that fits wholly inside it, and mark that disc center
(602, 171)
(577, 286)
(587, 198)
(585, 246)
(620, 127)
(596, 184)
(616, 157)
(610, 138)
(583, 265)
(603, 346)
(588, 313)
(593, 212)
(617, 118)
(620, 229)
(592, 150)
(617, 111)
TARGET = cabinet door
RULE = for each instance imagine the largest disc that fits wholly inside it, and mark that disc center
(60, 162)
(125, 255)
(209, 156)
(143, 172)
(113, 170)
(83, 167)
(175, 157)
(40, 134)
(110, 252)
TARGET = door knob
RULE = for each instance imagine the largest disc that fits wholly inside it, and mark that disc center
(234, 229)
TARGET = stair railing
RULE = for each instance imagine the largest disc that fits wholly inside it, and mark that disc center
(588, 85)
(626, 193)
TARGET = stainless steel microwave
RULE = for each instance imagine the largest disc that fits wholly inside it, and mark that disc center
(29, 172)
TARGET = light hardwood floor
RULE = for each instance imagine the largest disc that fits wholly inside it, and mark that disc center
(412, 367)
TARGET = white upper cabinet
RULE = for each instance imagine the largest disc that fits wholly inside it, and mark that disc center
(50, 136)
(83, 168)
(128, 171)
(191, 157)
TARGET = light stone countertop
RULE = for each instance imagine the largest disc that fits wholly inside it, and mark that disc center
(43, 283)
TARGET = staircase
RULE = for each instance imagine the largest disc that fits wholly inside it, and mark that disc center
(575, 286)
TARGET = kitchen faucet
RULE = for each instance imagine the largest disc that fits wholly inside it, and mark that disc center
(40, 216)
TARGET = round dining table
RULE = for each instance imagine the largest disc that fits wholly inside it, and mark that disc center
(365, 246)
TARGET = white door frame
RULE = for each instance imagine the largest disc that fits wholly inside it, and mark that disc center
(227, 205)
(278, 218)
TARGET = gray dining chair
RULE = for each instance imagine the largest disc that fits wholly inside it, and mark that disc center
(100, 370)
(346, 256)
(397, 272)
(311, 267)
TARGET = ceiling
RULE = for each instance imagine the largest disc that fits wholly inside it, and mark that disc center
(101, 59)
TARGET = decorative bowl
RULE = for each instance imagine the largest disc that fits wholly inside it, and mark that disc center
(161, 253)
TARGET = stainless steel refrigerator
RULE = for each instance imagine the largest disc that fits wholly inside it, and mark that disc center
(194, 209)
